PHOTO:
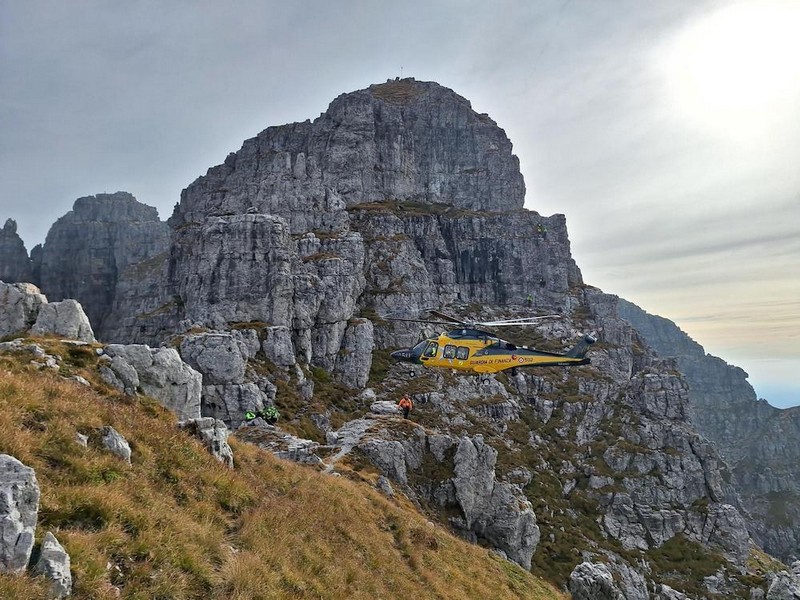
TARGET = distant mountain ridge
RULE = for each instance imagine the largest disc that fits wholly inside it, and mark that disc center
(759, 442)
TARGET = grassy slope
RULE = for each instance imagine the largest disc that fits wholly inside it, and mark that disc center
(177, 524)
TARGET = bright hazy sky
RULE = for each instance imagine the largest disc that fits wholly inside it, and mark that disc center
(667, 131)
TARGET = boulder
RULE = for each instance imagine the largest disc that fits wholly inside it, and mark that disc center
(163, 376)
(120, 374)
(667, 593)
(593, 581)
(384, 407)
(19, 508)
(783, 586)
(64, 318)
(19, 307)
(116, 444)
(229, 402)
(214, 435)
(54, 564)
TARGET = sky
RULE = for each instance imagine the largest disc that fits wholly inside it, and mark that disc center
(667, 131)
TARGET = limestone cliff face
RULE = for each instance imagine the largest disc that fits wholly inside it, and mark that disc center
(761, 443)
(398, 198)
(15, 266)
(87, 249)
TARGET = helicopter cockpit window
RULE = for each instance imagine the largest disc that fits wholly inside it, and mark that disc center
(449, 351)
(431, 350)
(417, 349)
(462, 352)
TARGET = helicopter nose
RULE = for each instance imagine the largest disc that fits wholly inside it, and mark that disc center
(401, 355)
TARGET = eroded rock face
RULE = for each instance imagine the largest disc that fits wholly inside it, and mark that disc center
(490, 510)
(15, 265)
(19, 508)
(400, 140)
(19, 307)
(218, 356)
(302, 230)
(87, 249)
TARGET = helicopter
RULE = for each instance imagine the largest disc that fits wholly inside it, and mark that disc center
(466, 348)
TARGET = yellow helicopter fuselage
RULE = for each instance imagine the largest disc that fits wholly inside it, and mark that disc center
(480, 352)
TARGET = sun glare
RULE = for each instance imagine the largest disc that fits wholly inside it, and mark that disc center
(739, 67)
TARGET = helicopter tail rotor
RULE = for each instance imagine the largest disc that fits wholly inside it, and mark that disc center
(579, 350)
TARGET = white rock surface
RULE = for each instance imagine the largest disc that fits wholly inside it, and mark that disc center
(54, 563)
(19, 508)
(64, 318)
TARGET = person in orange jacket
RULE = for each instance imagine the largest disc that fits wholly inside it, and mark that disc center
(406, 404)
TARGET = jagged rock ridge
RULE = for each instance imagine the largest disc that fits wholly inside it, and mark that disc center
(761, 443)
(15, 266)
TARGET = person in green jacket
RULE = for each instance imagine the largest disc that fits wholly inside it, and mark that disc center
(270, 414)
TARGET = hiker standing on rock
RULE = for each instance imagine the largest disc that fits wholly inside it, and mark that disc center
(406, 404)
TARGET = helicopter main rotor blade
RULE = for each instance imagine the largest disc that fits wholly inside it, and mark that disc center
(512, 322)
(418, 321)
(445, 317)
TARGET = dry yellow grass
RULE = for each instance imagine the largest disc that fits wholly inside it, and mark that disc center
(177, 524)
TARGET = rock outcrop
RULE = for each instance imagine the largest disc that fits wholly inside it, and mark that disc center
(88, 249)
(760, 443)
(65, 319)
(15, 265)
(19, 307)
(114, 442)
(450, 474)
(54, 563)
(590, 581)
(159, 373)
(19, 508)
(785, 585)
(214, 436)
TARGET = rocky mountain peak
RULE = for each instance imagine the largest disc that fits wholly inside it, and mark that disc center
(15, 266)
(119, 207)
(403, 140)
(88, 249)
(10, 227)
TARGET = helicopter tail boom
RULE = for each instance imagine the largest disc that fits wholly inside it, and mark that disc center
(579, 350)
